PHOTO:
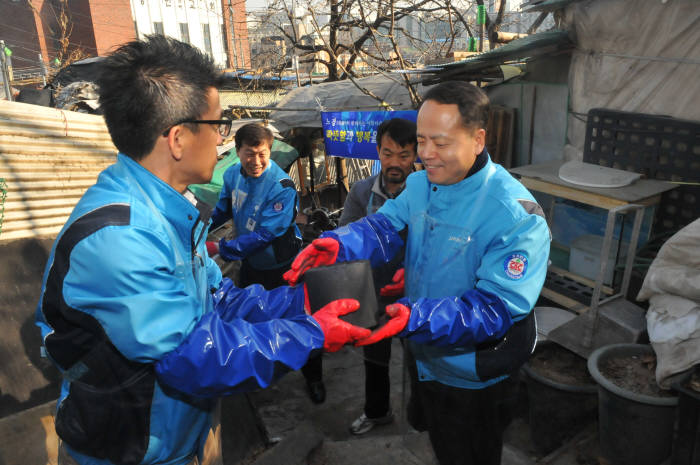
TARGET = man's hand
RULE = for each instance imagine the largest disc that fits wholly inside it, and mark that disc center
(337, 332)
(396, 288)
(230, 250)
(321, 252)
(399, 314)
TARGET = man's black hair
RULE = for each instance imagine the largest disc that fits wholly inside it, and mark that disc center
(252, 135)
(472, 102)
(401, 131)
(148, 85)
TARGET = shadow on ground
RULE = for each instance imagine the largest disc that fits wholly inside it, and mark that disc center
(285, 407)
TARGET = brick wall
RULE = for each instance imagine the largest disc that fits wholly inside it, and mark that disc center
(112, 24)
(238, 45)
(24, 33)
(97, 28)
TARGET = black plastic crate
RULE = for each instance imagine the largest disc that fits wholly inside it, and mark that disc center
(659, 147)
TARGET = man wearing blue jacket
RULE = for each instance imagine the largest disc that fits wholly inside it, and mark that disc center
(476, 256)
(126, 310)
(262, 201)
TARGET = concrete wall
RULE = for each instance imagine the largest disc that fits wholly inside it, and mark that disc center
(193, 13)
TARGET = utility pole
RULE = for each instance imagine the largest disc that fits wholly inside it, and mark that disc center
(295, 62)
(44, 73)
(481, 21)
(295, 58)
(4, 58)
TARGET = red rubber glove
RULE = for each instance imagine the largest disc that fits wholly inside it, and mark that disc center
(337, 332)
(399, 314)
(212, 248)
(321, 252)
(397, 287)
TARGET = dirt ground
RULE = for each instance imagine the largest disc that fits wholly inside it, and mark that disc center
(635, 374)
(286, 405)
(561, 365)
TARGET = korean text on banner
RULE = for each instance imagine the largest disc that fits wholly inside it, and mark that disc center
(353, 134)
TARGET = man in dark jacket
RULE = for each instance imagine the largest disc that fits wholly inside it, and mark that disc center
(396, 146)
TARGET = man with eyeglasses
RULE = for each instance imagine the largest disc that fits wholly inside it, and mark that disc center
(132, 310)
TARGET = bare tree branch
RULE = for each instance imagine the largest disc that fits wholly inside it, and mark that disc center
(538, 22)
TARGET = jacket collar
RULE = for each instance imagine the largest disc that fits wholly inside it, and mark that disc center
(474, 179)
(182, 213)
(378, 188)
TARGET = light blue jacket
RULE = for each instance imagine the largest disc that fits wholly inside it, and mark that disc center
(476, 258)
(126, 313)
(263, 210)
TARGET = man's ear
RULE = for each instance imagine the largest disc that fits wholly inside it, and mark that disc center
(176, 139)
(480, 140)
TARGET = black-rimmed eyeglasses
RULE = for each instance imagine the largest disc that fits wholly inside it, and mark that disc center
(223, 126)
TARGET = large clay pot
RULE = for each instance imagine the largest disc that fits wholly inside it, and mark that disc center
(633, 428)
(558, 407)
(686, 443)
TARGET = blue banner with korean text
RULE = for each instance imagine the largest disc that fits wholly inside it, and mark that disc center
(353, 134)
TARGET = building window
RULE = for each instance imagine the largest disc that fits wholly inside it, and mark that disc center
(184, 33)
(225, 42)
(158, 28)
(207, 40)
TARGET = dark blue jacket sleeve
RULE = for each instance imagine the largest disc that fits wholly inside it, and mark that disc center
(244, 245)
(222, 211)
(471, 319)
(220, 216)
(371, 238)
(255, 304)
(246, 343)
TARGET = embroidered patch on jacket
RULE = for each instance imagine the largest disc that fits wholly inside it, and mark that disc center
(278, 206)
(515, 266)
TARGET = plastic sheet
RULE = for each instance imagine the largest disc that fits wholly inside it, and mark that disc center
(641, 59)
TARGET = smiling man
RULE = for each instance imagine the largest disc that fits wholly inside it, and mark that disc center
(126, 310)
(262, 201)
(475, 262)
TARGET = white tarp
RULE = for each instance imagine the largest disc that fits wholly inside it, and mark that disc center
(641, 56)
(340, 96)
(672, 286)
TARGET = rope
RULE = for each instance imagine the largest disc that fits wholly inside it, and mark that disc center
(3, 196)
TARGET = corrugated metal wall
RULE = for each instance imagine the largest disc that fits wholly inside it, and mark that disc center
(48, 158)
